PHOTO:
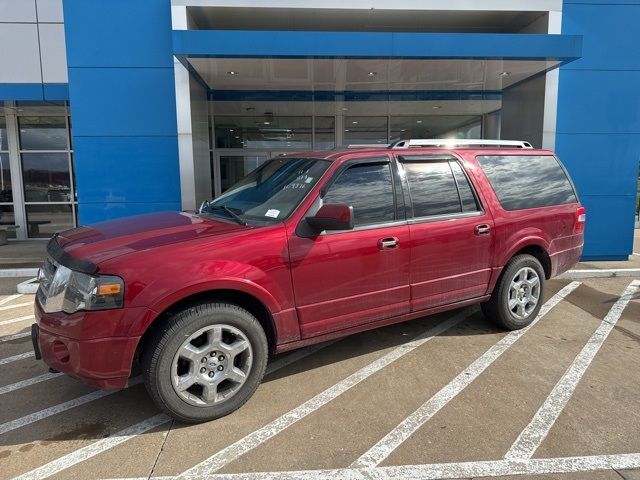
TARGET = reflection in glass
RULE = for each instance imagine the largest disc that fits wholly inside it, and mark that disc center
(432, 188)
(527, 181)
(4, 144)
(46, 177)
(7, 217)
(435, 126)
(368, 189)
(325, 128)
(263, 132)
(467, 197)
(365, 130)
(233, 168)
(45, 220)
(43, 133)
(6, 194)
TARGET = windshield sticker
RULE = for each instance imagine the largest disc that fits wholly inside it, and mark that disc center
(308, 180)
(272, 212)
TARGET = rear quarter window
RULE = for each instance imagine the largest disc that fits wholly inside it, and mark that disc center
(527, 181)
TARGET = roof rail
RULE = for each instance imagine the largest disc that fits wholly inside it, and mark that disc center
(450, 143)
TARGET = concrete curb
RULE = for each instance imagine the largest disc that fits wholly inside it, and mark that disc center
(604, 273)
(28, 286)
(18, 272)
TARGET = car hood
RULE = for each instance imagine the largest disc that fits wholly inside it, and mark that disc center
(106, 240)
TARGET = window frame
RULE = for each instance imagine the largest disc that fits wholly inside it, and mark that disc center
(439, 158)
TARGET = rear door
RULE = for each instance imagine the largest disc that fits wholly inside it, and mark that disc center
(345, 278)
(451, 233)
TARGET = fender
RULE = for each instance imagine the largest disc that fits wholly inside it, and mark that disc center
(532, 238)
(239, 284)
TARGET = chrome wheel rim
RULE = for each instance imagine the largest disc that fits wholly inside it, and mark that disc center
(211, 365)
(524, 293)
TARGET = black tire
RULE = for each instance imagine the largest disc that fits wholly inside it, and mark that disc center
(497, 309)
(158, 357)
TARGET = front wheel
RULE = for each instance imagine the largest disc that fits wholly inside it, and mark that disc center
(205, 361)
(517, 298)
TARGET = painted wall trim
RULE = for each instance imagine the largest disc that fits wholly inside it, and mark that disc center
(34, 91)
(294, 44)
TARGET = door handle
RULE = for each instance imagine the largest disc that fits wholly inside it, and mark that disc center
(387, 243)
(482, 229)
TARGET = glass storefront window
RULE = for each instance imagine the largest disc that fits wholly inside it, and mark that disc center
(435, 126)
(325, 133)
(263, 132)
(4, 144)
(7, 217)
(46, 177)
(6, 194)
(365, 130)
(234, 167)
(43, 133)
(45, 220)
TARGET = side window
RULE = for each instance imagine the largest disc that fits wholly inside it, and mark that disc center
(467, 197)
(368, 189)
(527, 181)
(432, 188)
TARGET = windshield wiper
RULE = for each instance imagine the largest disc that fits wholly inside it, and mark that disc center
(233, 214)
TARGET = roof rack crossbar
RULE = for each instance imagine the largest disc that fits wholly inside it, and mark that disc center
(450, 143)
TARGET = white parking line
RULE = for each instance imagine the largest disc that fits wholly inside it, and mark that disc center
(15, 336)
(532, 436)
(89, 451)
(16, 358)
(462, 470)
(94, 449)
(17, 319)
(59, 408)
(256, 438)
(10, 298)
(600, 273)
(17, 305)
(396, 437)
(28, 382)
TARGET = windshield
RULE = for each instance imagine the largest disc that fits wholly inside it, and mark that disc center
(270, 192)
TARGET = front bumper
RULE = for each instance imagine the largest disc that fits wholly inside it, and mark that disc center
(95, 347)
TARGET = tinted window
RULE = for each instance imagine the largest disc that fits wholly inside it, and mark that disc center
(369, 189)
(527, 181)
(433, 189)
(467, 197)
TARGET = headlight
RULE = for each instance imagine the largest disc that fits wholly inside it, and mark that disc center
(71, 291)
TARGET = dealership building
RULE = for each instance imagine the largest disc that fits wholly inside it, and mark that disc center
(121, 107)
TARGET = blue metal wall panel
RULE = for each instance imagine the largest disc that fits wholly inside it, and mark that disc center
(34, 91)
(122, 93)
(294, 44)
(599, 121)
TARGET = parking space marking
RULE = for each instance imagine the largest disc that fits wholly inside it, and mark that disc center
(15, 336)
(17, 319)
(94, 449)
(15, 358)
(10, 298)
(89, 451)
(532, 436)
(59, 408)
(17, 305)
(600, 273)
(396, 437)
(435, 471)
(28, 382)
(256, 438)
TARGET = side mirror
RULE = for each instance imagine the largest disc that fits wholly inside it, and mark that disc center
(332, 217)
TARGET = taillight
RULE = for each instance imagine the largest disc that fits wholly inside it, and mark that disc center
(581, 217)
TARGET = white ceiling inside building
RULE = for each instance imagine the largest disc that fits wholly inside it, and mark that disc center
(364, 74)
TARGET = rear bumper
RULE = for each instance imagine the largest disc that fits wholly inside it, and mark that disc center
(565, 260)
(104, 362)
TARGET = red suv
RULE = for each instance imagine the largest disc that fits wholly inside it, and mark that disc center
(305, 248)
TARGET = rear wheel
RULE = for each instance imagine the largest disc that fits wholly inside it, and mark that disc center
(517, 298)
(205, 361)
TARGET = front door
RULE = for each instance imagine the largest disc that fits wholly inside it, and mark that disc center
(451, 235)
(346, 278)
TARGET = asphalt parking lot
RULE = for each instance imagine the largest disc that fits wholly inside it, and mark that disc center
(446, 396)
